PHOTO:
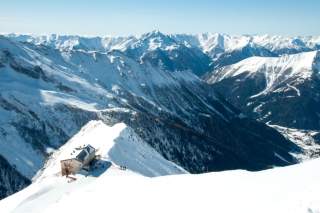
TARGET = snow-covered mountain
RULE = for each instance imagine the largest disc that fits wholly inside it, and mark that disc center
(275, 44)
(118, 146)
(47, 94)
(199, 53)
(107, 188)
(280, 90)
(167, 53)
(74, 42)
(151, 83)
(228, 49)
(155, 47)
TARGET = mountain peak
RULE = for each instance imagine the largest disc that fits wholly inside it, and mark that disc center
(153, 40)
(157, 36)
(154, 33)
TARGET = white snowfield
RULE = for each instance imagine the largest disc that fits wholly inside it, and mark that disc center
(274, 67)
(110, 189)
(208, 42)
(118, 146)
(298, 67)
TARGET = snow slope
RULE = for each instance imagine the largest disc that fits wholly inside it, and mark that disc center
(292, 189)
(212, 43)
(42, 88)
(227, 49)
(273, 67)
(182, 51)
(117, 145)
(215, 43)
(88, 82)
(276, 70)
(69, 42)
(48, 92)
(281, 90)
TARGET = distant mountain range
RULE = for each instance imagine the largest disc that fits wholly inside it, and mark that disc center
(200, 101)
(223, 49)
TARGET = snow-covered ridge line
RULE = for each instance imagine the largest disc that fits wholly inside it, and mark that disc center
(226, 42)
(290, 189)
(209, 42)
(300, 64)
(282, 90)
(118, 145)
(69, 42)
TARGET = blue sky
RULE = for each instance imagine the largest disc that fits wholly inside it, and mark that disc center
(123, 17)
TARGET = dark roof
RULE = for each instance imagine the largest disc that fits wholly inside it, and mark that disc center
(85, 152)
(90, 149)
(82, 156)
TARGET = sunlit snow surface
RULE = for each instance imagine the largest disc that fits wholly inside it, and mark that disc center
(299, 65)
(108, 188)
(209, 42)
(117, 146)
(290, 189)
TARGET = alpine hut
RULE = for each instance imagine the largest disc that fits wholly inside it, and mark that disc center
(83, 156)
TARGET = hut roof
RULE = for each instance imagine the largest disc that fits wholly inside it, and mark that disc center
(82, 153)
